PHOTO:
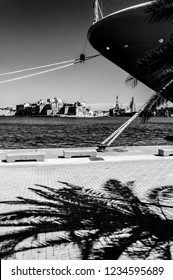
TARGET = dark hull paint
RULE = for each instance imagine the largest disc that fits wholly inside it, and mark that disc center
(128, 35)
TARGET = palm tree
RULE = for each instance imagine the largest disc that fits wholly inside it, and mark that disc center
(157, 64)
(160, 11)
(106, 224)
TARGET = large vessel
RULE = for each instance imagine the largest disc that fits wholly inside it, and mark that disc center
(125, 35)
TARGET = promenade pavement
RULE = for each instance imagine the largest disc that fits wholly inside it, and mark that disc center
(138, 164)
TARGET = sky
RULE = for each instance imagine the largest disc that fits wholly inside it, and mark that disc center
(39, 32)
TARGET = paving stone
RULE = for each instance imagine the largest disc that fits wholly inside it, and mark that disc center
(16, 181)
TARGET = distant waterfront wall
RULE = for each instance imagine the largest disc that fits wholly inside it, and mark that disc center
(32, 110)
(74, 110)
(7, 112)
(53, 107)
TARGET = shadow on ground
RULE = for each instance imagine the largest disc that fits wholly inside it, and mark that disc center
(109, 224)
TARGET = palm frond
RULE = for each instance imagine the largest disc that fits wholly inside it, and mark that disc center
(113, 217)
(155, 60)
(131, 81)
(155, 66)
(154, 102)
(160, 11)
(17, 241)
(164, 193)
(166, 83)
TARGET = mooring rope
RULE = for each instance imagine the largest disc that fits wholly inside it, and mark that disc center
(38, 67)
(117, 132)
(36, 74)
(108, 141)
(73, 62)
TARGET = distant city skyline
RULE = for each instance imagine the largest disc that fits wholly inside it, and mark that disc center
(39, 32)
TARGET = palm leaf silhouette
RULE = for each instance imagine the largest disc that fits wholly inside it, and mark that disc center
(160, 11)
(156, 65)
(105, 224)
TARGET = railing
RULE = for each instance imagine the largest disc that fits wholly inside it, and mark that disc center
(103, 8)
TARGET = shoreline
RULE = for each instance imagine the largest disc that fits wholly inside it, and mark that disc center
(115, 151)
(157, 119)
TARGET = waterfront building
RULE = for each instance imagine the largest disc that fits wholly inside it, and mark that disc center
(7, 112)
(119, 111)
(98, 113)
(77, 109)
(53, 107)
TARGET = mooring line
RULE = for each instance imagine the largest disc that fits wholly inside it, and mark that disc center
(38, 67)
(108, 141)
(36, 74)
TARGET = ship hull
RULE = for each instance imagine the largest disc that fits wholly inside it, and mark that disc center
(126, 35)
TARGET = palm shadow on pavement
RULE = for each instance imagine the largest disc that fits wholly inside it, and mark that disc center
(109, 224)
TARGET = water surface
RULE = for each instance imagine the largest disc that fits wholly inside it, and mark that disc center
(40, 132)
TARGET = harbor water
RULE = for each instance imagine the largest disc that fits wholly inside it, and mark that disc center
(44, 132)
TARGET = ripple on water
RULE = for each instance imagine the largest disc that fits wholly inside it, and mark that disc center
(28, 133)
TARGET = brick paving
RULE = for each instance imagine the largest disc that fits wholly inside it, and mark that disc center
(17, 178)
